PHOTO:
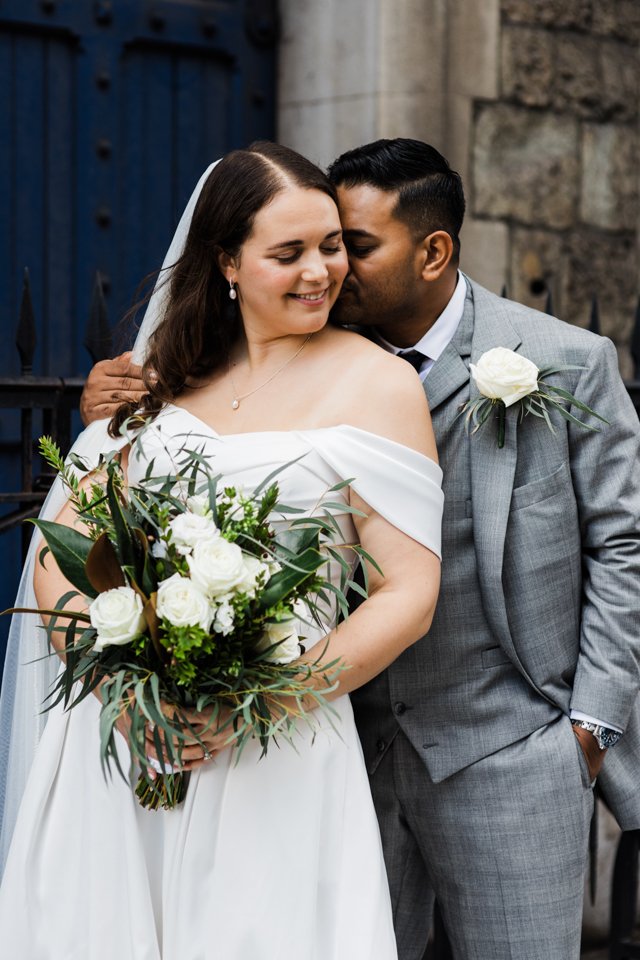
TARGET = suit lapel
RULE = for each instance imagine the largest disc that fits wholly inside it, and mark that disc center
(492, 471)
(445, 377)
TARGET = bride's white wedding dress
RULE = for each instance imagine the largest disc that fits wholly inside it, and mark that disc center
(268, 859)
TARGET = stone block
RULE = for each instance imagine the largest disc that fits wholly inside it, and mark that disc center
(574, 267)
(473, 33)
(535, 268)
(550, 13)
(525, 166)
(595, 79)
(604, 265)
(610, 180)
(484, 252)
(578, 86)
(617, 18)
(327, 49)
(527, 65)
(619, 72)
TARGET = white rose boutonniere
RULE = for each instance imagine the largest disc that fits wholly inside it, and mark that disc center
(505, 378)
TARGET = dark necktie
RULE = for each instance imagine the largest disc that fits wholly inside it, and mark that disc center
(414, 357)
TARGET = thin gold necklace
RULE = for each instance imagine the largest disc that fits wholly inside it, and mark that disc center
(237, 397)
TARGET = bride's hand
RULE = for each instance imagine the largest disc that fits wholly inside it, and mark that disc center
(211, 739)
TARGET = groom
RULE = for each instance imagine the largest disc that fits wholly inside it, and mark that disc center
(481, 781)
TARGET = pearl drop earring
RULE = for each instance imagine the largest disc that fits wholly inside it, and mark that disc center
(232, 290)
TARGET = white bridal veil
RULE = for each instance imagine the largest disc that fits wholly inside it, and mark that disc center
(29, 672)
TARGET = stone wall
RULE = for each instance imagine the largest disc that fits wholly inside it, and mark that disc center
(555, 157)
(534, 102)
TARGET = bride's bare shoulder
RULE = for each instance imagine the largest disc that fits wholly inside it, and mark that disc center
(378, 391)
(355, 347)
(357, 359)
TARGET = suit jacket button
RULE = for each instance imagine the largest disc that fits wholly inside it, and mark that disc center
(381, 744)
(400, 708)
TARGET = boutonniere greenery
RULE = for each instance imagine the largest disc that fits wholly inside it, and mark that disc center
(505, 378)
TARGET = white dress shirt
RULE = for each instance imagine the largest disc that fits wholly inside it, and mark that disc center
(437, 338)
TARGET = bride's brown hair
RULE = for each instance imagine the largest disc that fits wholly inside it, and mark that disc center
(200, 323)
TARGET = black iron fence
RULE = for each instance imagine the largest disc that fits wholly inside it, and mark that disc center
(55, 397)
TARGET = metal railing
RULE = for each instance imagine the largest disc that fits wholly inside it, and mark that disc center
(56, 397)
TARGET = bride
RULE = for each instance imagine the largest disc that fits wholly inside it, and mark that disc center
(282, 857)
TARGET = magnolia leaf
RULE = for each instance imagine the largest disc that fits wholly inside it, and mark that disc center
(295, 541)
(150, 615)
(102, 566)
(70, 549)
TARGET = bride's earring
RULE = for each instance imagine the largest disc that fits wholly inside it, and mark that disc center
(232, 290)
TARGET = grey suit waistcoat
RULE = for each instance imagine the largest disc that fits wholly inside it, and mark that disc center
(455, 693)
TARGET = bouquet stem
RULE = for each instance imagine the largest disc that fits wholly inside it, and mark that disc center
(166, 791)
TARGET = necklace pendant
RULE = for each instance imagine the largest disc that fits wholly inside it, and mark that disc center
(235, 404)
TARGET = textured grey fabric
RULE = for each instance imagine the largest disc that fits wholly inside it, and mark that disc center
(502, 843)
(538, 611)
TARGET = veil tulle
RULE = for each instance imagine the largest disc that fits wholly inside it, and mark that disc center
(28, 671)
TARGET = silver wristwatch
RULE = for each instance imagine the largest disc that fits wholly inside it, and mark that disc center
(605, 736)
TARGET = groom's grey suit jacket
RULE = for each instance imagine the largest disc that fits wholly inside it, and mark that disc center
(539, 610)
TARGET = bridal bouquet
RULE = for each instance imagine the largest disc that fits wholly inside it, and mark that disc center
(194, 604)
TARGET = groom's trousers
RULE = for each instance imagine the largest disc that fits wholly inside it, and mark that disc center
(502, 844)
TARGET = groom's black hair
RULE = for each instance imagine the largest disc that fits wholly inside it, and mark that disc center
(430, 193)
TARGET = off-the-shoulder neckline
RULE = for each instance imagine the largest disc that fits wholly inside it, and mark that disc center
(297, 432)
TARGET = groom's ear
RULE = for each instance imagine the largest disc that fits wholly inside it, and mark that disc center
(436, 252)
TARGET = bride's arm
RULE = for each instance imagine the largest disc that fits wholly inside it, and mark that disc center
(401, 604)
(398, 611)
(50, 584)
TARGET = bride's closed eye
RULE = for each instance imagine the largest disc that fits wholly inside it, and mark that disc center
(291, 258)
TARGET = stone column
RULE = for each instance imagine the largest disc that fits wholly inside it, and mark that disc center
(358, 70)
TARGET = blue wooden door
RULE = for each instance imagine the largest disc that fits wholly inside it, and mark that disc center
(109, 112)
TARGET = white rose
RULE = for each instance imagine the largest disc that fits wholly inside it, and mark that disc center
(223, 622)
(272, 564)
(285, 634)
(182, 604)
(216, 566)
(199, 504)
(253, 569)
(188, 529)
(504, 375)
(117, 616)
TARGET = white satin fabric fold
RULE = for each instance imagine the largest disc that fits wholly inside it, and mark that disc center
(271, 858)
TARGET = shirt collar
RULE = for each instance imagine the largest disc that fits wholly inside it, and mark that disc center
(439, 336)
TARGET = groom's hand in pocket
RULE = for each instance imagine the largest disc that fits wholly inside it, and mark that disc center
(592, 752)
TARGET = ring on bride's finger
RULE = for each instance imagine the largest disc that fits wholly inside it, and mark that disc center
(206, 755)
